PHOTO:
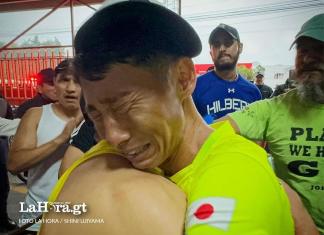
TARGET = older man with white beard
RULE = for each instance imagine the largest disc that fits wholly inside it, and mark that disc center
(293, 124)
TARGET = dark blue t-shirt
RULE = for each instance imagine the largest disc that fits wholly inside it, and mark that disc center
(215, 97)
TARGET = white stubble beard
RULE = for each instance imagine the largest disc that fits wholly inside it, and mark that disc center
(311, 88)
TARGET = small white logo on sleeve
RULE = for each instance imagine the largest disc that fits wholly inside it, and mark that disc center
(211, 211)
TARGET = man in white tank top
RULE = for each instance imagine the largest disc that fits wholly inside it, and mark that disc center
(42, 138)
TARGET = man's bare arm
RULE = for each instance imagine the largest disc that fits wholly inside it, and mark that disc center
(24, 152)
(304, 224)
(128, 200)
(71, 155)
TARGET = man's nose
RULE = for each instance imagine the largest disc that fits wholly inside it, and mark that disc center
(115, 134)
(222, 47)
(71, 86)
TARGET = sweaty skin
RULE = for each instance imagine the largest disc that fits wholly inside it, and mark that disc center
(129, 201)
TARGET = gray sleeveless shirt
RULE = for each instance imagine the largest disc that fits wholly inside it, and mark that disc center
(43, 176)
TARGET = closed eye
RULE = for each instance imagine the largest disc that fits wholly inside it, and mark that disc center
(122, 108)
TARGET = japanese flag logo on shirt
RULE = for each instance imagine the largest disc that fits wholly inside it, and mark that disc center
(211, 211)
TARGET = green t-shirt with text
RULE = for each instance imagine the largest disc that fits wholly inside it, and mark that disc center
(294, 131)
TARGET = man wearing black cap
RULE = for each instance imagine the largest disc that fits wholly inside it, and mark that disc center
(265, 90)
(222, 90)
(45, 92)
(292, 124)
(137, 75)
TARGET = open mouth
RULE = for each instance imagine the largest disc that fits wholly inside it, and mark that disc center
(224, 56)
(136, 152)
(70, 97)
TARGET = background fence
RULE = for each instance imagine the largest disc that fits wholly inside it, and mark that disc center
(19, 66)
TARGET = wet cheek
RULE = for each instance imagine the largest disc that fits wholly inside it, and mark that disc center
(146, 123)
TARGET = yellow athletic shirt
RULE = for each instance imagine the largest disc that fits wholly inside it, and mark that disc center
(101, 148)
(231, 189)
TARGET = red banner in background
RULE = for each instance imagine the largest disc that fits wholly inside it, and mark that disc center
(202, 68)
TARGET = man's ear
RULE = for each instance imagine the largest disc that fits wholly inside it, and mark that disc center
(240, 47)
(186, 77)
(39, 89)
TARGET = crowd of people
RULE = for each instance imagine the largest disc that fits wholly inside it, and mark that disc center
(127, 128)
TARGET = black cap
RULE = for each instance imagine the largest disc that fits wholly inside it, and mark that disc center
(46, 76)
(259, 74)
(137, 27)
(228, 29)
